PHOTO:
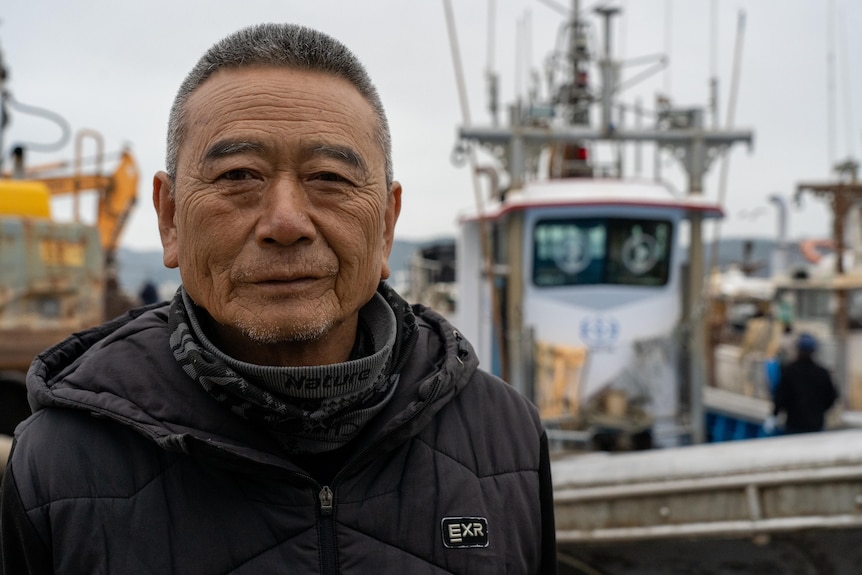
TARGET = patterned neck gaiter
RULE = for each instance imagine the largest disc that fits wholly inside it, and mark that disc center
(308, 409)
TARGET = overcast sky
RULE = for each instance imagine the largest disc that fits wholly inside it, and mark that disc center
(114, 67)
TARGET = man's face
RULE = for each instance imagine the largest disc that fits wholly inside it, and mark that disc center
(281, 223)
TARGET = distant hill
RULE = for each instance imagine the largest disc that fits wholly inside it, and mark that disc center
(137, 267)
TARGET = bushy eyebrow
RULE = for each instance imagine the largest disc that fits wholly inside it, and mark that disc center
(225, 148)
(342, 154)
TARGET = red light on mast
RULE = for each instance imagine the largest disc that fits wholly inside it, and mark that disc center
(582, 154)
(581, 79)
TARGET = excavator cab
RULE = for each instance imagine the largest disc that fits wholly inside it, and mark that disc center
(21, 198)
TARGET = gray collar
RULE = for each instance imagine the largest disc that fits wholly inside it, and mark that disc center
(309, 409)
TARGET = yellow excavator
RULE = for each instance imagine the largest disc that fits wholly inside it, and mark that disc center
(56, 277)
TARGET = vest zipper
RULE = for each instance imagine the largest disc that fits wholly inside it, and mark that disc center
(326, 519)
(326, 535)
(325, 496)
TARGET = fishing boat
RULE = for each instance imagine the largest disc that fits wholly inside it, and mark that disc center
(571, 280)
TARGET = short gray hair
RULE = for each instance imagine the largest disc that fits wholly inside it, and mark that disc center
(278, 45)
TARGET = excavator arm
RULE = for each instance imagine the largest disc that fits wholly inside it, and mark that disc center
(117, 194)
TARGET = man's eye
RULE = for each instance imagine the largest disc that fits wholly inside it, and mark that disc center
(237, 175)
(330, 177)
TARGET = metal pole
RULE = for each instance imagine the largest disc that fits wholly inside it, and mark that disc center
(697, 349)
(608, 72)
(638, 127)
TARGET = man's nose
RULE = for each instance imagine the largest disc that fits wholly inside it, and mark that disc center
(286, 215)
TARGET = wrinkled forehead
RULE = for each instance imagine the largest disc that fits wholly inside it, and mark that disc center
(241, 89)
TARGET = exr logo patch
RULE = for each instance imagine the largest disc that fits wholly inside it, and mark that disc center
(464, 532)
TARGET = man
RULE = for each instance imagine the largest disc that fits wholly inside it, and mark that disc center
(287, 412)
(804, 392)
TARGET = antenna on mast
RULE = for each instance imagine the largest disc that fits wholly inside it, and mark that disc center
(713, 63)
(830, 82)
(668, 36)
(847, 84)
(491, 77)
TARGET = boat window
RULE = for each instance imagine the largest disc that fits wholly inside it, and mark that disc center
(589, 251)
(814, 304)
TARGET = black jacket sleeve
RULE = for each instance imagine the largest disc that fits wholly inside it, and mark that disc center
(546, 499)
(22, 551)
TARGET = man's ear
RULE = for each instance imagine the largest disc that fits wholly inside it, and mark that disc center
(163, 201)
(390, 217)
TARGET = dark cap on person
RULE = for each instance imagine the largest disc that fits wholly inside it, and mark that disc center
(806, 342)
